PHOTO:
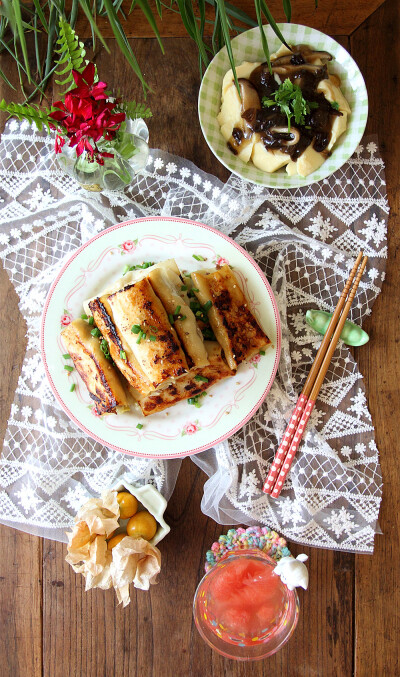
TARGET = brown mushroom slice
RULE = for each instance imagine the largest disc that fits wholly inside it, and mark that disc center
(231, 320)
(194, 383)
(248, 96)
(97, 373)
(294, 135)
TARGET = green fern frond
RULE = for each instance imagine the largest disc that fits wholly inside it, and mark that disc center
(135, 110)
(72, 55)
(28, 112)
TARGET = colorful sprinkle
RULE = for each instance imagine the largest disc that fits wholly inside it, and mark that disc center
(262, 538)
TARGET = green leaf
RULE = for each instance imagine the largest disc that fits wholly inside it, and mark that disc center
(287, 8)
(5, 78)
(135, 110)
(273, 23)
(72, 54)
(21, 36)
(239, 15)
(124, 44)
(28, 112)
(145, 7)
(227, 38)
(264, 42)
(88, 13)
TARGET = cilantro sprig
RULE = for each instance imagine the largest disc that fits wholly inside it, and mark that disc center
(290, 99)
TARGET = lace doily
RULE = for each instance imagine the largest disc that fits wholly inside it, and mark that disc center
(332, 495)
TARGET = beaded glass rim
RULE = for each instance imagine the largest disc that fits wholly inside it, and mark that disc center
(260, 538)
(247, 47)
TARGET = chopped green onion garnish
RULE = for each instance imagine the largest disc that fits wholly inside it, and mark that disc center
(335, 105)
(171, 318)
(126, 269)
(262, 352)
(195, 289)
(195, 400)
(199, 377)
(84, 316)
(182, 317)
(143, 334)
(139, 337)
(91, 319)
(140, 426)
(198, 313)
(183, 287)
(136, 328)
(67, 356)
(207, 306)
(104, 348)
(188, 275)
(68, 368)
(152, 338)
(177, 309)
(95, 332)
(122, 354)
(72, 388)
(153, 329)
(198, 257)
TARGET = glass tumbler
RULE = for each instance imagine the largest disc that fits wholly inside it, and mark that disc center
(242, 609)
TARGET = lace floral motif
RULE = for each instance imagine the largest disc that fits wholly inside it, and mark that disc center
(48, 468)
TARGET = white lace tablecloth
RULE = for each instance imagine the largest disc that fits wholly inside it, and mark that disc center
(304, 240)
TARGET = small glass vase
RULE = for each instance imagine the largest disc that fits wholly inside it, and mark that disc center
(130, 150)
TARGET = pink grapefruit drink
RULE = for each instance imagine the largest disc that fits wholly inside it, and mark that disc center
(242, 609)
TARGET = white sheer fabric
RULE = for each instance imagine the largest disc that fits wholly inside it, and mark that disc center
(304, 241)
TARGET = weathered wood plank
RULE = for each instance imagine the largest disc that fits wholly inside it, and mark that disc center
(377, 603)
(338, 17)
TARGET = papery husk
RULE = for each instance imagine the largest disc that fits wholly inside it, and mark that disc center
(132, 560)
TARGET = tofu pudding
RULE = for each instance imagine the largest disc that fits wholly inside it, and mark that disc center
(291, 115)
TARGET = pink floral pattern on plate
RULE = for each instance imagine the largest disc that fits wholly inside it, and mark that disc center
(128, 246)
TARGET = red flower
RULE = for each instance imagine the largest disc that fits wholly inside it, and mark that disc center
(86, 116)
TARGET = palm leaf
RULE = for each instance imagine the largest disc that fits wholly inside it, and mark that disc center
(19, 32)
(272, 22)
(287, 8)
(264, 41)
(227, 38)
(123, 43)
(145, 7)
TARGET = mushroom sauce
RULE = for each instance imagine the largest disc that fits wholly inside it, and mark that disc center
(301, 67)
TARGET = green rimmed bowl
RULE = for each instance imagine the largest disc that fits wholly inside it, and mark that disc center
(247, 47)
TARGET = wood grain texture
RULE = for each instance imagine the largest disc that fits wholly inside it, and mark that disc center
(377, 601)
(337, 17)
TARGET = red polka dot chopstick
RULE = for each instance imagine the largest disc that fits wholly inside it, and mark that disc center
(295, 429)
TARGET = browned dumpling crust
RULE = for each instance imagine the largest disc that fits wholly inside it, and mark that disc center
(232, 322)
(97, 373)
(188, 386)
(156, 347)
(122, 356)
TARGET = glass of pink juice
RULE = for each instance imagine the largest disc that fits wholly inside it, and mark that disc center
(242, 609)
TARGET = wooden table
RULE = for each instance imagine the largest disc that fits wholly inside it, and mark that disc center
(350, 618)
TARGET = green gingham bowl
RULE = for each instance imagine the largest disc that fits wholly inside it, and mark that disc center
(247, 47)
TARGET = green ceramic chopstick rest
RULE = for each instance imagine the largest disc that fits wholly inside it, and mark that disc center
(352, 334)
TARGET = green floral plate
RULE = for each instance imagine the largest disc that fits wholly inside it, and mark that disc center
(247, 47)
